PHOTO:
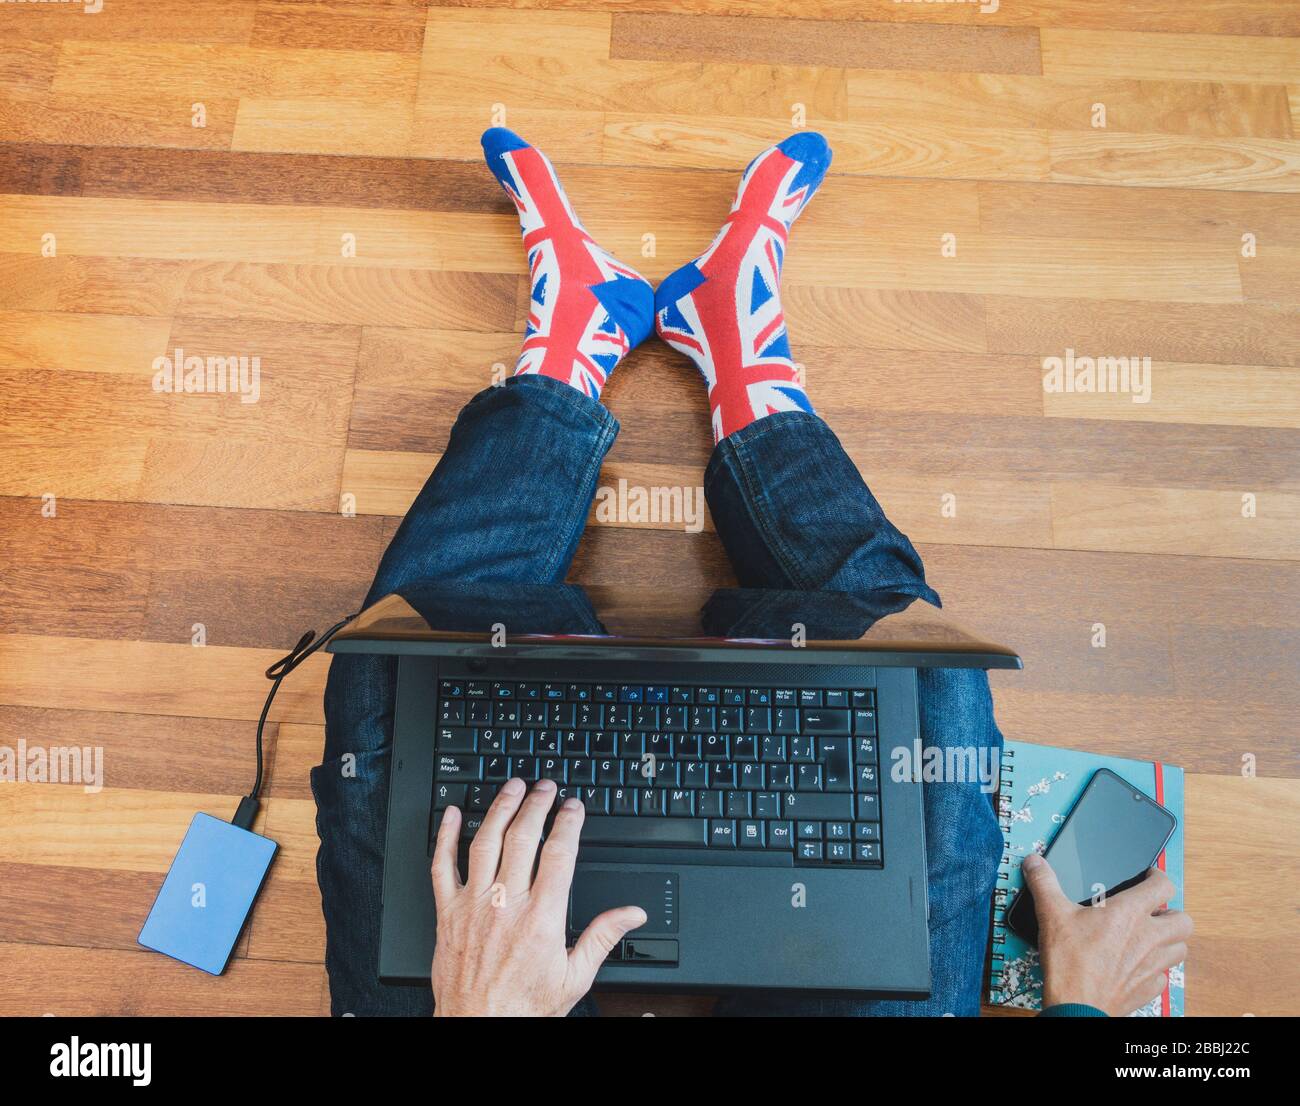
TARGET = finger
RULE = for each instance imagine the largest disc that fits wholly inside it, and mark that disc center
(1173, 925)
(446, 877)
(559, 855)
(519, 852)
(605, 931)
(485, 849)
(1049, 899)
(1149, 895)
(1151, 988)
(1173, 955)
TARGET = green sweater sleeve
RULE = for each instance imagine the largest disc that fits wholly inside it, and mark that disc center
(1072, 1010)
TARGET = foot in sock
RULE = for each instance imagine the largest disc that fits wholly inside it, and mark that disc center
(587, 310)
(723, 310)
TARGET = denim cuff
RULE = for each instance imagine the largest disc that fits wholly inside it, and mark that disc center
(793, 512)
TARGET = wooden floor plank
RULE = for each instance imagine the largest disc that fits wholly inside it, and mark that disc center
(154, 21)
(231, 72)
(1160, 161)
(1236, 395)
(1071, 103)
(878, 148)
(1099, 211)
(466, 79)
(1202, 57)
(126, 119)
(67, 673)
(69, 981)
(1232, 17)
(1223, 334)
(329, 26)
(234, 177)
(810, 42)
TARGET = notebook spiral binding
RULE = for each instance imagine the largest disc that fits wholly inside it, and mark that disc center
(1000, 892)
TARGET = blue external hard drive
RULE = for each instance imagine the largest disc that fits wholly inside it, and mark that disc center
(209, 890)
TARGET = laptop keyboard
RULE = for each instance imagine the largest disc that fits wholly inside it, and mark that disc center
(781, 769)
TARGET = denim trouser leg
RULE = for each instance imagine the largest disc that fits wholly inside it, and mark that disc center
(507, 502)
(793, 512)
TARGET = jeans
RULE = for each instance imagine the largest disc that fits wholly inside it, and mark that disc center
(507, 503)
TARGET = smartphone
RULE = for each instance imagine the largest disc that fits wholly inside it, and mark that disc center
(1112, 835)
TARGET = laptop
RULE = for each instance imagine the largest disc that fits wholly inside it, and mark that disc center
(732, 751)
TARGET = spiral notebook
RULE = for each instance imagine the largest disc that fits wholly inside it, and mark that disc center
(1039, 784)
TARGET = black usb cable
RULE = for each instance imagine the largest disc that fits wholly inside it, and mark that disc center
(246, 814)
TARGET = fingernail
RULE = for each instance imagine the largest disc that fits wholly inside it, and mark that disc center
(1032, 861)
(545, 785)
(572, 804)
(513, 786)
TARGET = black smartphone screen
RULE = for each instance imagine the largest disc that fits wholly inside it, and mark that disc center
(1111, 836)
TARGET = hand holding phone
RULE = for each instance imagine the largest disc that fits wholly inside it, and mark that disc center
(1113, 957)
(1112, 835)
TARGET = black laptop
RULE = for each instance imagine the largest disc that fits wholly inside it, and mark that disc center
(732, 751)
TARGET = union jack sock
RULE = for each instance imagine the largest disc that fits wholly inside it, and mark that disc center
(723, 310)
(586, 310)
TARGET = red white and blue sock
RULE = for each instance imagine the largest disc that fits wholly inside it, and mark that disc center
(587, 310)
(723, 310)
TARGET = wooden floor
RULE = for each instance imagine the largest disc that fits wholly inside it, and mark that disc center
(1172, 231)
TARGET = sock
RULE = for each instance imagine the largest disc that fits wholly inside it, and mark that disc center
(586, 310)
(723, 310)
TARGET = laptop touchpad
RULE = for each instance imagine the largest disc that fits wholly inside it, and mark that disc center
(655, 892)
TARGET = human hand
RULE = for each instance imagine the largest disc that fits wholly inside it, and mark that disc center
(501, 948)
(1113, 956)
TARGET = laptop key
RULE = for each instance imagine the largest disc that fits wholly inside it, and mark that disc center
(833, 752)
(455, 739)
(824, 806)
(781, 776)
(622, 800)
(458, 768)
(449, 794)
(650, 801)
(780, 835)
(688, 832)
(839, 851)
(809, 850)
(867, 852)
(750, 835)
(722, 833)
(808, 777)
(826, 721)
(681, 803)
(708, 804)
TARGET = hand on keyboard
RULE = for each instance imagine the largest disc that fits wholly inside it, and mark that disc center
(501, 934)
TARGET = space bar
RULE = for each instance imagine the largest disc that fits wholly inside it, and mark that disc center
(645, 831)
